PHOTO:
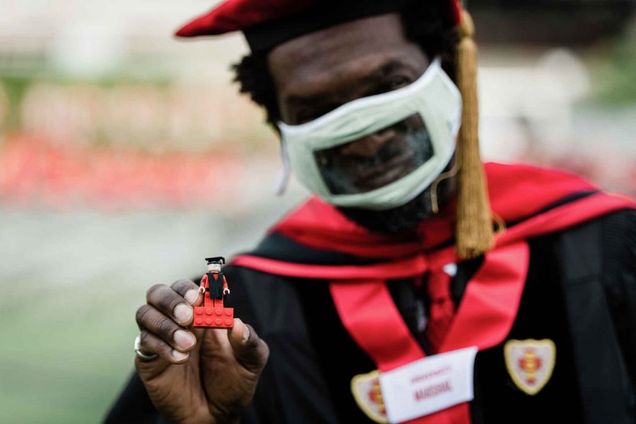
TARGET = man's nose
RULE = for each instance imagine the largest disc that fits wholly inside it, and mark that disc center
(370, 145)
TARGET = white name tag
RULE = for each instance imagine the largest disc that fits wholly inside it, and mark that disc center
(428, 385)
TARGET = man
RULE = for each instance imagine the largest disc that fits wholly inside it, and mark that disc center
(372, 299)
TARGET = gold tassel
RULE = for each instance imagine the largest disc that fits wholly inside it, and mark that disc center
(474, 232)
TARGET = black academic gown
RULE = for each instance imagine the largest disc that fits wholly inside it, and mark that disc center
(580, 293)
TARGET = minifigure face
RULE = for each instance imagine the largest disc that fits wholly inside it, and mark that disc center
(214, 267)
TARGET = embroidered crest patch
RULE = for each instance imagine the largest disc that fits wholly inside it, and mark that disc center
(368, 395)
(530, 363)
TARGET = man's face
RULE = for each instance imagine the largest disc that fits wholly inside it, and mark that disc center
(318, 72)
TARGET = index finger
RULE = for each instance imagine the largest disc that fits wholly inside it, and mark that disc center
(189, 290)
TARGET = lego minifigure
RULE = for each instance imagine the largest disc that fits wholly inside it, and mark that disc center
(213, 313)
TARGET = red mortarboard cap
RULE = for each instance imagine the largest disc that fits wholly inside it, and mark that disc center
(267, 23)
(237, 15)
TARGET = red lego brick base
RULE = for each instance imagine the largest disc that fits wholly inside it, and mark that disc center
(215, 316)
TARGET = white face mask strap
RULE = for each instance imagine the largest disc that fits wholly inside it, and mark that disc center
(283, 180)
(444, 176)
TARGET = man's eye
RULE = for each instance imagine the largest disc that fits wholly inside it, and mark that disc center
(305, 115)
(390, 84)
(398, 82)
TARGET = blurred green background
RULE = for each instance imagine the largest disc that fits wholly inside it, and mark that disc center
(126, 158)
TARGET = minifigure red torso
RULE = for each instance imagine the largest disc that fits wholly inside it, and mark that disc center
(205, 282)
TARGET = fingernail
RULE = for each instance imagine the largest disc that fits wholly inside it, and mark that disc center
(184, 339)
(192, 296)
(183, 312)
(179, 356)
(246, 334)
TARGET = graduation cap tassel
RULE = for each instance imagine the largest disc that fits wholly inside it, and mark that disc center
(474, 232)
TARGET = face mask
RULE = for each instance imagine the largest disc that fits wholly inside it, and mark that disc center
(381, 151)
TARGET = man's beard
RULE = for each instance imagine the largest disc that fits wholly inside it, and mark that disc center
(405, 218)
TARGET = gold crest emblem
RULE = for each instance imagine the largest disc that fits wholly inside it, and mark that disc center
(530, 363)
(368, 395)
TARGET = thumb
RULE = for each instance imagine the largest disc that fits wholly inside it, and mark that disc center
(249, 349)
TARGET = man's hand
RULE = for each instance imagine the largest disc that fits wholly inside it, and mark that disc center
(200, 375)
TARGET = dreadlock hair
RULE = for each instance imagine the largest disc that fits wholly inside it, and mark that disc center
(425, 23)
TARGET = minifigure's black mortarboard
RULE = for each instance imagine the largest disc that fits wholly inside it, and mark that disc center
(216, 260)
(268, 23)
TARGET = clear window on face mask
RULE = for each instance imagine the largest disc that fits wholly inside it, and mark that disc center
(377, 159)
